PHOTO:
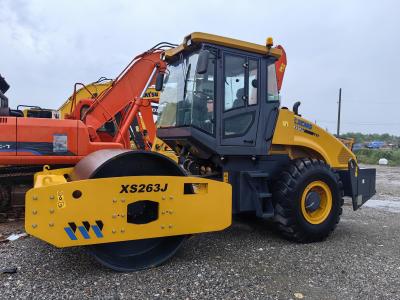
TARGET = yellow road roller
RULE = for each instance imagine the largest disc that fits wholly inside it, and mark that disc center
(239, 153)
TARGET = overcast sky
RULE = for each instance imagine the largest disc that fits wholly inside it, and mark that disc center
(47, 46)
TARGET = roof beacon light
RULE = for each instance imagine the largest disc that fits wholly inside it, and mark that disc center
(270, 42)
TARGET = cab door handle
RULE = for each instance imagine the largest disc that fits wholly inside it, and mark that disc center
(248, 141)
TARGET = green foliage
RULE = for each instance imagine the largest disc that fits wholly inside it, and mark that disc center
(364, 138)
(372, 156)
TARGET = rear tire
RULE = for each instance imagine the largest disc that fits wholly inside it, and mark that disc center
(308, 201)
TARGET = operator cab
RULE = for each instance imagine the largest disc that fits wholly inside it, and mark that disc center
(219, 97)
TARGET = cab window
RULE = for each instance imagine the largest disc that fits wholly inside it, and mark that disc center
(253, 81)
(204, 97)
(241, 94)
(235, 95)
(238, 125)
(272, 91)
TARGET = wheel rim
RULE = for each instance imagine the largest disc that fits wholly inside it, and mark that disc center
(316, 191)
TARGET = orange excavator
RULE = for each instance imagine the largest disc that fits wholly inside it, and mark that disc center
(27, 144)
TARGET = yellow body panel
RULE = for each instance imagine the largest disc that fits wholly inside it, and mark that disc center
(50, 208)
(94, 88)
(54, 113)
(348, 142)
(296, 136)
(200, 37)
(160, 147)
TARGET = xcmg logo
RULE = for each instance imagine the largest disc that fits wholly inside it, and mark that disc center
(302, 123)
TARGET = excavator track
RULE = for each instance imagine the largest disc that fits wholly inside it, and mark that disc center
(14, 182)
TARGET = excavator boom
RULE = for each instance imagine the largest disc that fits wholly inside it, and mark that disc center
(130, 85)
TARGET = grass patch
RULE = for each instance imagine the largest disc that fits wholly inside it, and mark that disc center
(372, 156)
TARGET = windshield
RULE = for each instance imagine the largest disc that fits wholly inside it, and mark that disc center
(187, 98)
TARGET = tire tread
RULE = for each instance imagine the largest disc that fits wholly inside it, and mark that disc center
(285, 186)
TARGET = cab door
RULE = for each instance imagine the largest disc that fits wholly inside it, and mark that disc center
(240, 100)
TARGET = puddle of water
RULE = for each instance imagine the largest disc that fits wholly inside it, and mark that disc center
(392, 206)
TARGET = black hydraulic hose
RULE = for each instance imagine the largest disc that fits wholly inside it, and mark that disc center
(163, 45)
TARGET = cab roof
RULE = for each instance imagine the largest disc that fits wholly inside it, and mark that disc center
(200, 37)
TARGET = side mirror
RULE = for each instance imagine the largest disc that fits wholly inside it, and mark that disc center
(159, 81)
(202, 63)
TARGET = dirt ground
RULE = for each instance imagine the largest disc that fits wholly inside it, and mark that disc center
(360, 260)
(387, 181)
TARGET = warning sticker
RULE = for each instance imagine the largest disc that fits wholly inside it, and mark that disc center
(60, 199)
(226, 177)
(60, 143)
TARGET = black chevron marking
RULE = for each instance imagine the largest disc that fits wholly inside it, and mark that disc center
(100, 224)
(73, 226)
(87, 225)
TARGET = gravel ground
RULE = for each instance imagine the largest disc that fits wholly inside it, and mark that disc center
(360, 260)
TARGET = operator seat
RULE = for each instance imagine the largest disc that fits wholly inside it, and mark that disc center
(239, 101)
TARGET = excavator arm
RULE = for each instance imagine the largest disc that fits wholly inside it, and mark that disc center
(125, 97)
